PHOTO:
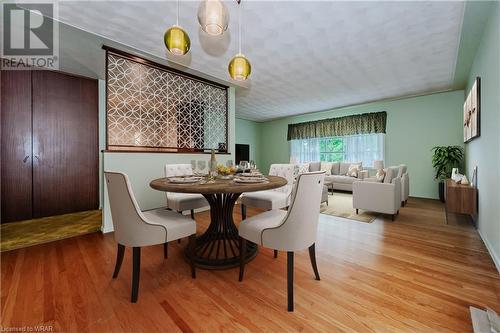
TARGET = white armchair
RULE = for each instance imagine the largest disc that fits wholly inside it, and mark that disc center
(137, 229)
(180, 202)
(291, 230)
(378, 197)
(271, 199)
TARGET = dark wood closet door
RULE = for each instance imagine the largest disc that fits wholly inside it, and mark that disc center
(16, 145)
(65, 144)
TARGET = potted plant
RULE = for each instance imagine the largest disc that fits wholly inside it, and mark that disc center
(444, 159)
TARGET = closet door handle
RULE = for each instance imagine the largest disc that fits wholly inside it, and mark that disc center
(26, 158)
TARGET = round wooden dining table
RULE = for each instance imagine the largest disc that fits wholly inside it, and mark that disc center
(218, 246)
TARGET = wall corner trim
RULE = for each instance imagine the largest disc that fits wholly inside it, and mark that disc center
(491, 250)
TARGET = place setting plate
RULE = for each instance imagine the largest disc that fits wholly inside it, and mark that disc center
(185, 180)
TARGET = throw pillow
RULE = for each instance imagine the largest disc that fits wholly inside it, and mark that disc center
(326, 167)
(380, 175)
(389, 174)
(353, 170)
(303, 168)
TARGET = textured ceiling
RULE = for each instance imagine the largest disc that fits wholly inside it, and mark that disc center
(306, 56)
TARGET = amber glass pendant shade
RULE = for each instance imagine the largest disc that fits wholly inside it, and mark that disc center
(177, 40)
(213, 17)
(239, 68)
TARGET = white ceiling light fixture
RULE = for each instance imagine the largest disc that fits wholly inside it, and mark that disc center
(213, 17)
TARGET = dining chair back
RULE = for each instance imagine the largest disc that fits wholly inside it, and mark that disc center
(289, 231)
(136, 229)
(299, 227)
(130, 228)
(174, 170)
(286, 171)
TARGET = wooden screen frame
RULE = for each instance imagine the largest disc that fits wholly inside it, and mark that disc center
(154, 149)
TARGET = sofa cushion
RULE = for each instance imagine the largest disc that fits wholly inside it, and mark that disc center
(353, 170)
(336, 168)
(343, 168)
(326, 167)
(314, 166)
(343, 179)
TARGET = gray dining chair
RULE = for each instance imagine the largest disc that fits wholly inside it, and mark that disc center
(289, 231)
(137, 229)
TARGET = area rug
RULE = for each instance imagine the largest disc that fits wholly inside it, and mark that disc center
(15, 235)
(340, 205)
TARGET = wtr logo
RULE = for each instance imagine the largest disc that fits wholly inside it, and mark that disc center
(29, 36)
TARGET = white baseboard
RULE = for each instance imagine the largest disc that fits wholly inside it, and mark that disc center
(491, 250)
(105, 230)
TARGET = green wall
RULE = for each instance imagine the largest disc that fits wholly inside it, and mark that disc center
(485, 150)
(414, 126)
(248, 132)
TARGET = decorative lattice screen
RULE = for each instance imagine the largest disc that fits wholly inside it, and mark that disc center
(152, 108)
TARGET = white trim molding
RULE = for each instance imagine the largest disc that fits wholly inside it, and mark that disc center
(491, 251)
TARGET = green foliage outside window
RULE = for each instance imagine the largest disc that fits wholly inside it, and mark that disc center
(331, 150)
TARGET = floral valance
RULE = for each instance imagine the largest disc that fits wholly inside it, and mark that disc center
(365, 123)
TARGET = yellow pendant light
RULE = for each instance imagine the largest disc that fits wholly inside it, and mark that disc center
(239, 67)
(176, 39)
(213, 17)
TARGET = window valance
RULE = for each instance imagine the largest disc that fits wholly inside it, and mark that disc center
(365, 123)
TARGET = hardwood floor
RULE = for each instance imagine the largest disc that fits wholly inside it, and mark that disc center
(415, 274)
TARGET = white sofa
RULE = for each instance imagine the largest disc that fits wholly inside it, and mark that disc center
(385, 197)
(338, 175)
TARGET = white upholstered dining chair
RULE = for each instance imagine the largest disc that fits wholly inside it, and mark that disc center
(136, 229)
(180, 202)
(289, 231)
(271, 199)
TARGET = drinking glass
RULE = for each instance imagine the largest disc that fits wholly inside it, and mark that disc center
(252, 165)
(244, 165)
(201, 166)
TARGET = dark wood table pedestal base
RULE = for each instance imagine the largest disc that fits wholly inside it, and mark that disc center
(218, 246)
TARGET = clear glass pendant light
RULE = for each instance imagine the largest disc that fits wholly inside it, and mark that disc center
(213, 17)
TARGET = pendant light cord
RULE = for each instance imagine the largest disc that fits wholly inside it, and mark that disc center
(177, 13)
(239, 27)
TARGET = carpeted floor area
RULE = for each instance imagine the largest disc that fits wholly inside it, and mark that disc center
(21, 234)
(340, 205)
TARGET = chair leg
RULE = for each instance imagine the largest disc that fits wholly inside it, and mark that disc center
(402, 203)
(136, 270)
(179, 241)
(192, 214)
(243, 252)
(165, 250)
(276, 253)
(312, 256)
(119, 260)
(192, 248)
(357, 211)
(289, 263)
(393, 216)
(243, 212)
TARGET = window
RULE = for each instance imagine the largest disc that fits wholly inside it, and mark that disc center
(352, 148)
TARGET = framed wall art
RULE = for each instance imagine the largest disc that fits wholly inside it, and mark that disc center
(472, 112)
